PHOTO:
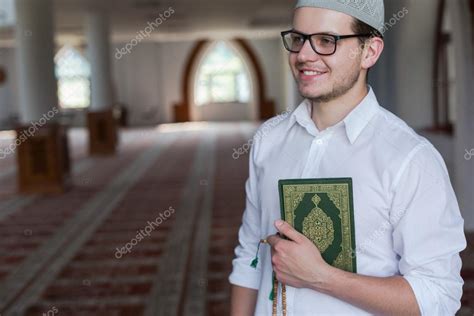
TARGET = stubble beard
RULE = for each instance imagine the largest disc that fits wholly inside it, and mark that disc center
(340, 88)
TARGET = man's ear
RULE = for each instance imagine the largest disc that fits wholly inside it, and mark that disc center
(372, 50)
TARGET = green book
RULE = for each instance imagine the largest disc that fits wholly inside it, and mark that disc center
(323, 211)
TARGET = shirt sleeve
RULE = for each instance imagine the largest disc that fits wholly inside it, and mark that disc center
(428, 231)
(243, 274)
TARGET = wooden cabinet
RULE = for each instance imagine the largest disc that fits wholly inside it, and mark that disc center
(103, 136)
(42, 158)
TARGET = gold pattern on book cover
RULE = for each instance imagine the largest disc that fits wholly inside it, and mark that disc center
(323, 233)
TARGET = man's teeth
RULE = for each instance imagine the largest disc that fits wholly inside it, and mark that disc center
(312, 73)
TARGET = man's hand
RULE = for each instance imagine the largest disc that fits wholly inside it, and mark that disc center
(297, 262)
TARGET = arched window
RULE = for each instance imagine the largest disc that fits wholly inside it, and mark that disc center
(222, 77)
(73, 75)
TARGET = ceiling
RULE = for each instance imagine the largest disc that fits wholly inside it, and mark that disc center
(215, 18)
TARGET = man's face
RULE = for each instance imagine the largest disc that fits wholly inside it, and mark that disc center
(336, 74)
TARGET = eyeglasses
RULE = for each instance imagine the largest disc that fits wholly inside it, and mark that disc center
(322, 43)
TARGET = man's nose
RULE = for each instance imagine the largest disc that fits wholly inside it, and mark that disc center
(307, 53)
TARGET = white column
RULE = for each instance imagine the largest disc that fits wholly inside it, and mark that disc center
(35, 55)
(98, 47)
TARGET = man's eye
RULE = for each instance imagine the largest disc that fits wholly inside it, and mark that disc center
(327, 40)
(297, 39)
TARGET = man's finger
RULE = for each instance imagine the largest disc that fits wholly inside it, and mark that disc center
(286, 229)
(273, 239)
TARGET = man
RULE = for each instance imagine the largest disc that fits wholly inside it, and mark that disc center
(408, 226)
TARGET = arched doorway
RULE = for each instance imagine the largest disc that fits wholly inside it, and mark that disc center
(222, 85)
(264, 107)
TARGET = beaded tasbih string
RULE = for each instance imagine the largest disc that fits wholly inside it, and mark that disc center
(274, 292)
(275, 297)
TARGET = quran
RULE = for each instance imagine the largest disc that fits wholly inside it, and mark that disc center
(323, 211)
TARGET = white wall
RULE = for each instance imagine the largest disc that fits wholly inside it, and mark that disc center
(269, 54)
(138, 82)
(175, 55)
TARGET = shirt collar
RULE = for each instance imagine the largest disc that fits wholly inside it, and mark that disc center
(354, 122)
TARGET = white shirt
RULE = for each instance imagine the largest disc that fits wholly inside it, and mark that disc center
(407, 219)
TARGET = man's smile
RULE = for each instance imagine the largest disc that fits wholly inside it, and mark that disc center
(306, 74)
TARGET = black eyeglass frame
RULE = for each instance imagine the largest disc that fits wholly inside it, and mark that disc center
(308, 37)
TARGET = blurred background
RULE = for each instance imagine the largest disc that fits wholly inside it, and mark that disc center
(125, 128)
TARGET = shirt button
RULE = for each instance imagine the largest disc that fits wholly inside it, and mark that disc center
(319, 142)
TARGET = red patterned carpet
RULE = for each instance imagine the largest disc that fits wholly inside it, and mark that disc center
(150, 231)
(60, 254)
